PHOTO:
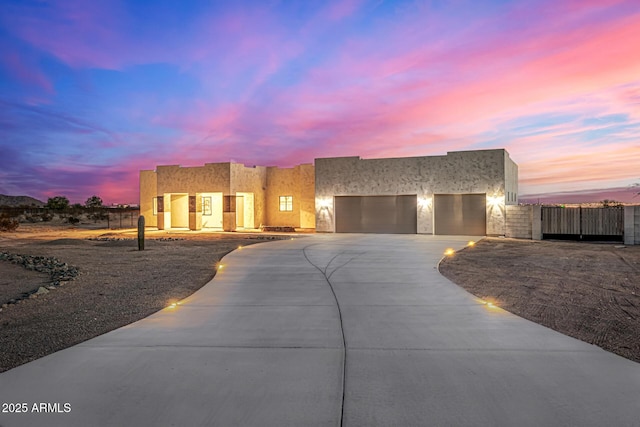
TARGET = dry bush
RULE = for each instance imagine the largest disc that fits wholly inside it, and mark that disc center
(8, 223)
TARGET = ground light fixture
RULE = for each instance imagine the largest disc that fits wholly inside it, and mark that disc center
(449, 252)
(489, 304)
(471, 243)
(174, 304)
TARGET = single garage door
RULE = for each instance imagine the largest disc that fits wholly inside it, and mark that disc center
(376, 214)
(460, 214)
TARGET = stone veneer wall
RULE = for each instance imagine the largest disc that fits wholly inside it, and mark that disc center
(632, 225)
(518, 222)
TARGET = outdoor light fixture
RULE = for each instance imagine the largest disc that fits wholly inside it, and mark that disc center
(449, 252)
(324, 203)
(424, 202)
(495, 200)
(240, 247)
(220, 266)
(489, 304)
(471, 243)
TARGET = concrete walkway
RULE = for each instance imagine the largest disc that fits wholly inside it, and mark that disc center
(264, 344)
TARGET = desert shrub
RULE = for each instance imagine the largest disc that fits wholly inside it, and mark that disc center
(93, 202)
(73, 220)
(58, 203)
(32, 218)
(99, 216)
(7, 223)
(46, 217)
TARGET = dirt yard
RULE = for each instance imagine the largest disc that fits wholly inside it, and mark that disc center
(590, 291)
(586, 290)
(115, 285)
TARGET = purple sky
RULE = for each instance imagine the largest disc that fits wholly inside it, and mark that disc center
(93, 91)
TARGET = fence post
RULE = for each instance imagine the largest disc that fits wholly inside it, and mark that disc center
(580, 211)
(536, 222)
(629, 226)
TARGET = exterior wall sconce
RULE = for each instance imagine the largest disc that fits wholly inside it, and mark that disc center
(324, 203)
(495, 200)
(425, 202)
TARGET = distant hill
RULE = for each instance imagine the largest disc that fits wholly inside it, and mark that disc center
(19, 201)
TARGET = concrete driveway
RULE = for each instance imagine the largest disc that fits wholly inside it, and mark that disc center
(264, 344)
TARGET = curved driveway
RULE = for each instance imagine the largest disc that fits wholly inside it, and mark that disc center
(264, 344)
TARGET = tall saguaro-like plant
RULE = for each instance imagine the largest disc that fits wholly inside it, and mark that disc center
(141, 233)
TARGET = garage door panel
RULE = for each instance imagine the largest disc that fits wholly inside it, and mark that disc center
(376, 214)
(460, 214)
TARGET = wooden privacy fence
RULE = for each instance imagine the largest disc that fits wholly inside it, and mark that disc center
(583, 223)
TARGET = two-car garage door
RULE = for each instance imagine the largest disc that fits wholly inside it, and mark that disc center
(460, 214)
(454, 214)
(376, 214)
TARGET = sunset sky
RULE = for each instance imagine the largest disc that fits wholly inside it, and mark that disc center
(91, 92)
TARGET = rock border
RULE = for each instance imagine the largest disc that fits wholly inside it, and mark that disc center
(59, 272)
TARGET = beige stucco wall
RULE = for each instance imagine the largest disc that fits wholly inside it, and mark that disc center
(148, 190)
(212, 177)
(266, 184)
(307, 196)
(251, 180)
(297, 182)
(462, 172)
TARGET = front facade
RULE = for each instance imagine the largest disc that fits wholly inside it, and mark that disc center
(227, 196)
(461, 193)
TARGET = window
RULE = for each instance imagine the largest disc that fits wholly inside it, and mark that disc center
(155, 206)
(206, 206)
(286, 203)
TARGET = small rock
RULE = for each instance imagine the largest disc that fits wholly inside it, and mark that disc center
(42, 290)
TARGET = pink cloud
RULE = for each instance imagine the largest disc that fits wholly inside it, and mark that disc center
(341, 9)
(25, 70)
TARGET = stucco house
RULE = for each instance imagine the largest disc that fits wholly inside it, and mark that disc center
(463, 192)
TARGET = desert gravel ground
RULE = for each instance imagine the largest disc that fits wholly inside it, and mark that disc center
(590, 291)
(116, 284)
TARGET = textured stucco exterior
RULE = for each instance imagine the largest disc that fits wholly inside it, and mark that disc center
(489, 172)
(297, 182)
(249, 197)
(148, 186)
(254, 191)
